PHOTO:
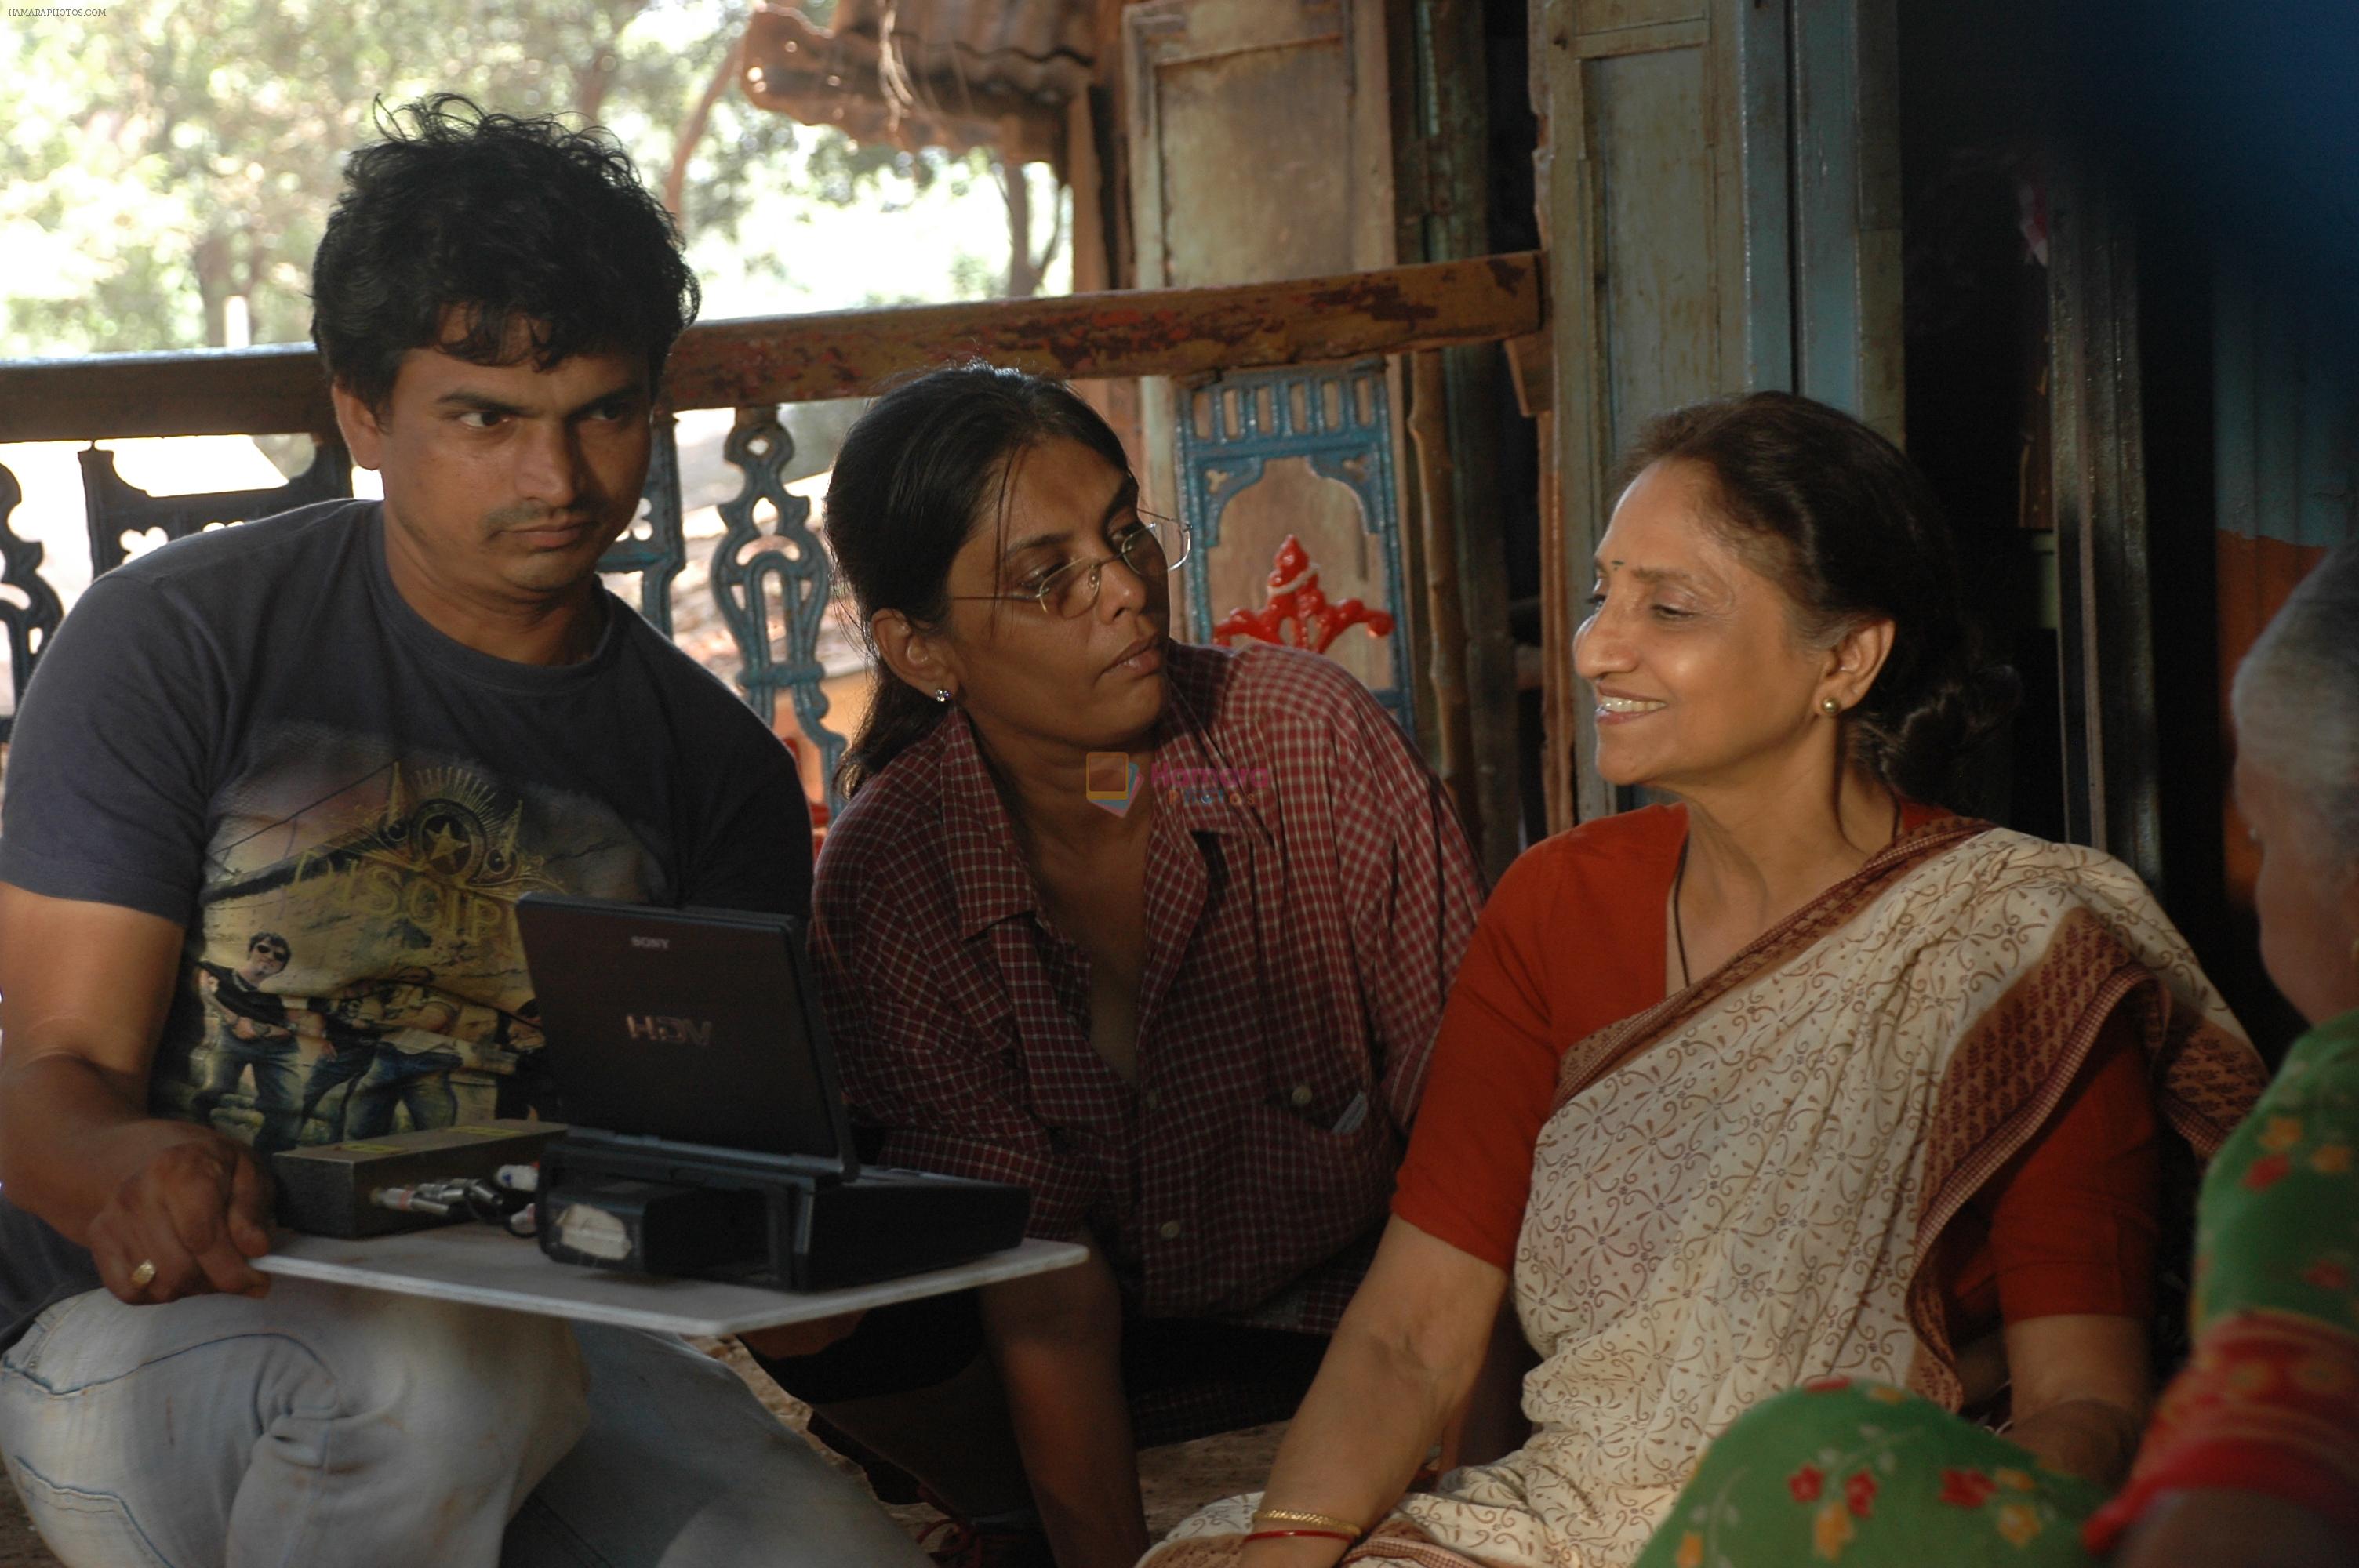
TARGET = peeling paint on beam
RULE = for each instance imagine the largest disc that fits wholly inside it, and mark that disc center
(805, 359)
(1138, 333)
(201, 391)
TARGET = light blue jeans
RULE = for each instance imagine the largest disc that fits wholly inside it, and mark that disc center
(329, 1426)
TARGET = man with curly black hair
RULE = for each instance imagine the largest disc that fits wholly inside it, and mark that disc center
(365, 729)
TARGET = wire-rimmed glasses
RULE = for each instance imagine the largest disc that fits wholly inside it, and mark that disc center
(1150, 547)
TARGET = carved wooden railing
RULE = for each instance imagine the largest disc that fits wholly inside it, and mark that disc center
(772, 593)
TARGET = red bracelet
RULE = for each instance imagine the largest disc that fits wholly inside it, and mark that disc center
(1276, 1534)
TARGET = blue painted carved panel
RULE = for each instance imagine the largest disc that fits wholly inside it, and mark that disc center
(653, 545)
(773, 584)
(1236, 434)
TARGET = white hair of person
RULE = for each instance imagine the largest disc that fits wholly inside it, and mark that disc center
(2296, 700)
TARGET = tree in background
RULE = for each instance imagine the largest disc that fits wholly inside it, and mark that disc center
(1026, 270)
(171, 162)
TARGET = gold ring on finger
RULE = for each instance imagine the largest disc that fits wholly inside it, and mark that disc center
(145, 1275)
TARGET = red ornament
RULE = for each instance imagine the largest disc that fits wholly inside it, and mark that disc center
(1806, 1482)
(1859, 1492)
(1296, 599)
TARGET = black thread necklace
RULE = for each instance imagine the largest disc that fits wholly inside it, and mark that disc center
(1680, 880)
(1679, 932)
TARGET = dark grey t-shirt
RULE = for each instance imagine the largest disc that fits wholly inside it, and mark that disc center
(251, 733)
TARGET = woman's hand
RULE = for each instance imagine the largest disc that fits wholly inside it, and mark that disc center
(1296, 1552)
(1401, 1363)
(2080, 1392)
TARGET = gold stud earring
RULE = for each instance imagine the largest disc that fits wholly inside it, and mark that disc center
(1830, 707)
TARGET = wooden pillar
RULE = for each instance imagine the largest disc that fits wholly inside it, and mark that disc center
(1442, 191)
(1437, 485)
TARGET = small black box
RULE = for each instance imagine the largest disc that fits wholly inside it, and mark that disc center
(656, 1228)
(325, 1189)
(756, 1219)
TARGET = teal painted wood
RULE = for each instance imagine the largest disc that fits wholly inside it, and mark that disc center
(1765, 161)
(1826, 205)
(750, 579)
(658, 554)
(1721, 191)
(1844, 103)
(1223, 446)
(1663, 276)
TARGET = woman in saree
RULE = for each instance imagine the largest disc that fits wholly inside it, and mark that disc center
(1798, 1077)
(2253, 1457)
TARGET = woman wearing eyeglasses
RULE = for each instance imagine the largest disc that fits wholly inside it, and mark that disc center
(1160, 932)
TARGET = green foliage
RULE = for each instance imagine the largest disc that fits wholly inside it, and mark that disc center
(168, 156)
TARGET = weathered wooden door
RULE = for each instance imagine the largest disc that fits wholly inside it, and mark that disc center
(1261, 150)
(1719, 189)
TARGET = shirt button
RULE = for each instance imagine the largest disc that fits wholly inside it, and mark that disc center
(1152, 1099)
(1169, 1230)
(1301, 1095)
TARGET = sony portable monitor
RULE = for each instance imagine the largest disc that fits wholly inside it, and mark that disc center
(708, 1134)
(693, 1025)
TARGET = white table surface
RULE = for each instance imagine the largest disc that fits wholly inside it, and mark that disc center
(487, 1267)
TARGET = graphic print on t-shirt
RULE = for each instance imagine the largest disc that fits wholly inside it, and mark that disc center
(356, 968)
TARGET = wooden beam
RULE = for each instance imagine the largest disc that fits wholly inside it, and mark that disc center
(850, 354)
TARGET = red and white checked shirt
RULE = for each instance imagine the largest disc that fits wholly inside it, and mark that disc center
(1301, 938)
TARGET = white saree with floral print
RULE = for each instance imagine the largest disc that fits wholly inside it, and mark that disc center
(1741, 1187)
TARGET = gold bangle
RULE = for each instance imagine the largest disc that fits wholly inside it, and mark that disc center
(1304, 1516)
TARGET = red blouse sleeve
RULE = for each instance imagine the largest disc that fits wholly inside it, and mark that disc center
(1469, 1166)
(1571, 941)
(2072, 1226)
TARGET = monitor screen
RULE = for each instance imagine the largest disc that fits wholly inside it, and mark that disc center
(695, 1025)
